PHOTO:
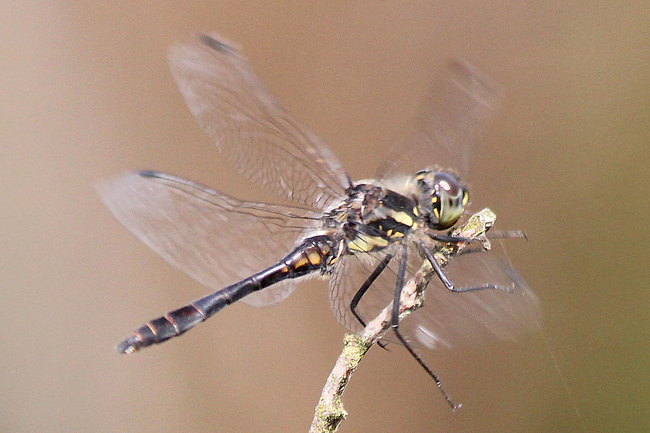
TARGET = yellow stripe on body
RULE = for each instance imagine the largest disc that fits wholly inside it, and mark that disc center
(402, 218)
(314, 258)
(365, 243)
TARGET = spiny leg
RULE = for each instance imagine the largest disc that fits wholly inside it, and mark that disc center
(399, 284)
(401, 273)
(495, 234)
(448, 238)
(366, 285)
(447, 282)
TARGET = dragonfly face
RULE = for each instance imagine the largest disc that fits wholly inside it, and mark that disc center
(349, 232)
(441, 198)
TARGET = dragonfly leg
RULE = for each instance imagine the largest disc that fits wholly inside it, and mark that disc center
(495, 234)
(366, 285)
(450, 286)
(448, 238)
(399, 284)
(401, 273)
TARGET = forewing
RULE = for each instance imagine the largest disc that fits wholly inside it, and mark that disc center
(446, 319)
(214, 238)
(261, 139)
(445, 131)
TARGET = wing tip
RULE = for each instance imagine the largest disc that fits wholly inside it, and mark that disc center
(210, 42)
(148, 173)
(111, 191)
(475, 82)
(216, 44)
(200, 54)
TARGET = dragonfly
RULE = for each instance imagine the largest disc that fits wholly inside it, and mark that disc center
(367, 237)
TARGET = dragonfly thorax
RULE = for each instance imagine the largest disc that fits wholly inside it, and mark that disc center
(441, 198)
(371, 217)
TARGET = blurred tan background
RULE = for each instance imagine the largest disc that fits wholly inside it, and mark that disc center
(86, 94)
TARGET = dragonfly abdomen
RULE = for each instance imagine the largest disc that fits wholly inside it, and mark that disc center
(314, 253)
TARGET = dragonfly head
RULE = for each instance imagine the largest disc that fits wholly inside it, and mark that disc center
(441, 198)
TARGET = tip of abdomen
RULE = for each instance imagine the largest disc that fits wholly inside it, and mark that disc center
(129, 345)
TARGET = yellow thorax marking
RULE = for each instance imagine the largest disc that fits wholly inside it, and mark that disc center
(402, 218)
(365, 243)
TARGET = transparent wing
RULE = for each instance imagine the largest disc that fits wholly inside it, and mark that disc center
(446, 319)
(262, 140)
(214, 238)
(351, 271)
(445, 131)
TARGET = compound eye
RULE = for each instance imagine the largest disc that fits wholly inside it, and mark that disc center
(447, 183)
(452, 197)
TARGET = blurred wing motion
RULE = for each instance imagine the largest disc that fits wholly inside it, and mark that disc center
(260, 138)
(205, 233)
(446, 129)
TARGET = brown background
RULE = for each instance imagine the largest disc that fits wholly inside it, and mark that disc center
(86, 94)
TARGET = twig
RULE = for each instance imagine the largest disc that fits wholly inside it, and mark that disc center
(330, 412)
